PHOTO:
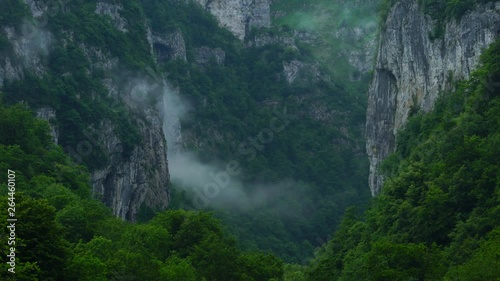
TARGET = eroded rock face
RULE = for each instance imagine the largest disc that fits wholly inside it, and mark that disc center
(49, 114)
(172, 109)
(239, 16)
(361, 57)
(169, 46)
(140, 176)
(113, 11)
(37, 9)
(306, 36)
(127, 180)
(126, 184)
(411, 69)
(268, 39)
(9, 71)
(30, 46)
(291, 70)
(205, 55)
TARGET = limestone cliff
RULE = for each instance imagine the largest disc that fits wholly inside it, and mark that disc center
(128, 180)
(239, 16)
(412, 69)
(169, 46)
(113, 11)
(49, 114)
(142, 178)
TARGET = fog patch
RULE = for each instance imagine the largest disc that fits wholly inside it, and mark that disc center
(218, 184)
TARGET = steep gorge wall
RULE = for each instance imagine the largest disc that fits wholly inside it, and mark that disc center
(412, 69)
(126, 181)
(239, 16)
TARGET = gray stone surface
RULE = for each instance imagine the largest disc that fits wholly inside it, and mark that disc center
(239, 16)
(411, 69)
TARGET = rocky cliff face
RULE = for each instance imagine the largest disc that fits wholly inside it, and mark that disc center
(49, 114)
(411, 69)
(142, 178)
(126, 181)
(30, 47)
(169, 46)
(113, 11)
(239, 16)
(205, 55)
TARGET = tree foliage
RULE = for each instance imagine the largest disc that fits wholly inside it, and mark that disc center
(63, 234)
(438, 215)
(90, 64)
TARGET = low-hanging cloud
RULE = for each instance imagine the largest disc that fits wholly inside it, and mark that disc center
(218, 184)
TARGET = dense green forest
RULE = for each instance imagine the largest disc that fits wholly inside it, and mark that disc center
(438, 215)
(324, 160)
(64, 234)
(329, 178)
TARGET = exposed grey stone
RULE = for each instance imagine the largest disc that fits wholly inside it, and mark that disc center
(239, 16)
(36, 7)
(411, 69)
(49, 114)
(291, 70)
(169, 46)
(31, 46)
(125, 184)
(113, 11)
(268, 39)
(306, 37)
(204, 55)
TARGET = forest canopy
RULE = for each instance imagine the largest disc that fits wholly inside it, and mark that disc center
(64, 234)
(438, 215)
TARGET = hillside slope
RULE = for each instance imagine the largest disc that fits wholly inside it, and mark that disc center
(422, 51)
(159, 97)
(437, 215)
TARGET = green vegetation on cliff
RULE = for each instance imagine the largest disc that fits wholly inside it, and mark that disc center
(344, 35)
(88, 62)
(239, 98)
(63, 234)
(437, 217)
(440, 10)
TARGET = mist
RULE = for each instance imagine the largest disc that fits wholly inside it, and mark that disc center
(31, 44)
(217, 184)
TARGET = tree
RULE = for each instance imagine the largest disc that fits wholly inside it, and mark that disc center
(178, 269)
(483, 265)
(40, 249)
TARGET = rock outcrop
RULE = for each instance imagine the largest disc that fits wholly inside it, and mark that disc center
(291, 69)
(268, 39)
(113, 11)
(239, 16)
(169, 46)
(30, 48)
(128, 179)
(49, 114)
(412, 69)
(205, 55)
(125, 184)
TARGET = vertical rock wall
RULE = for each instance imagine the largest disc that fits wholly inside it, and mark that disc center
(412, 69)
(239, 16)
